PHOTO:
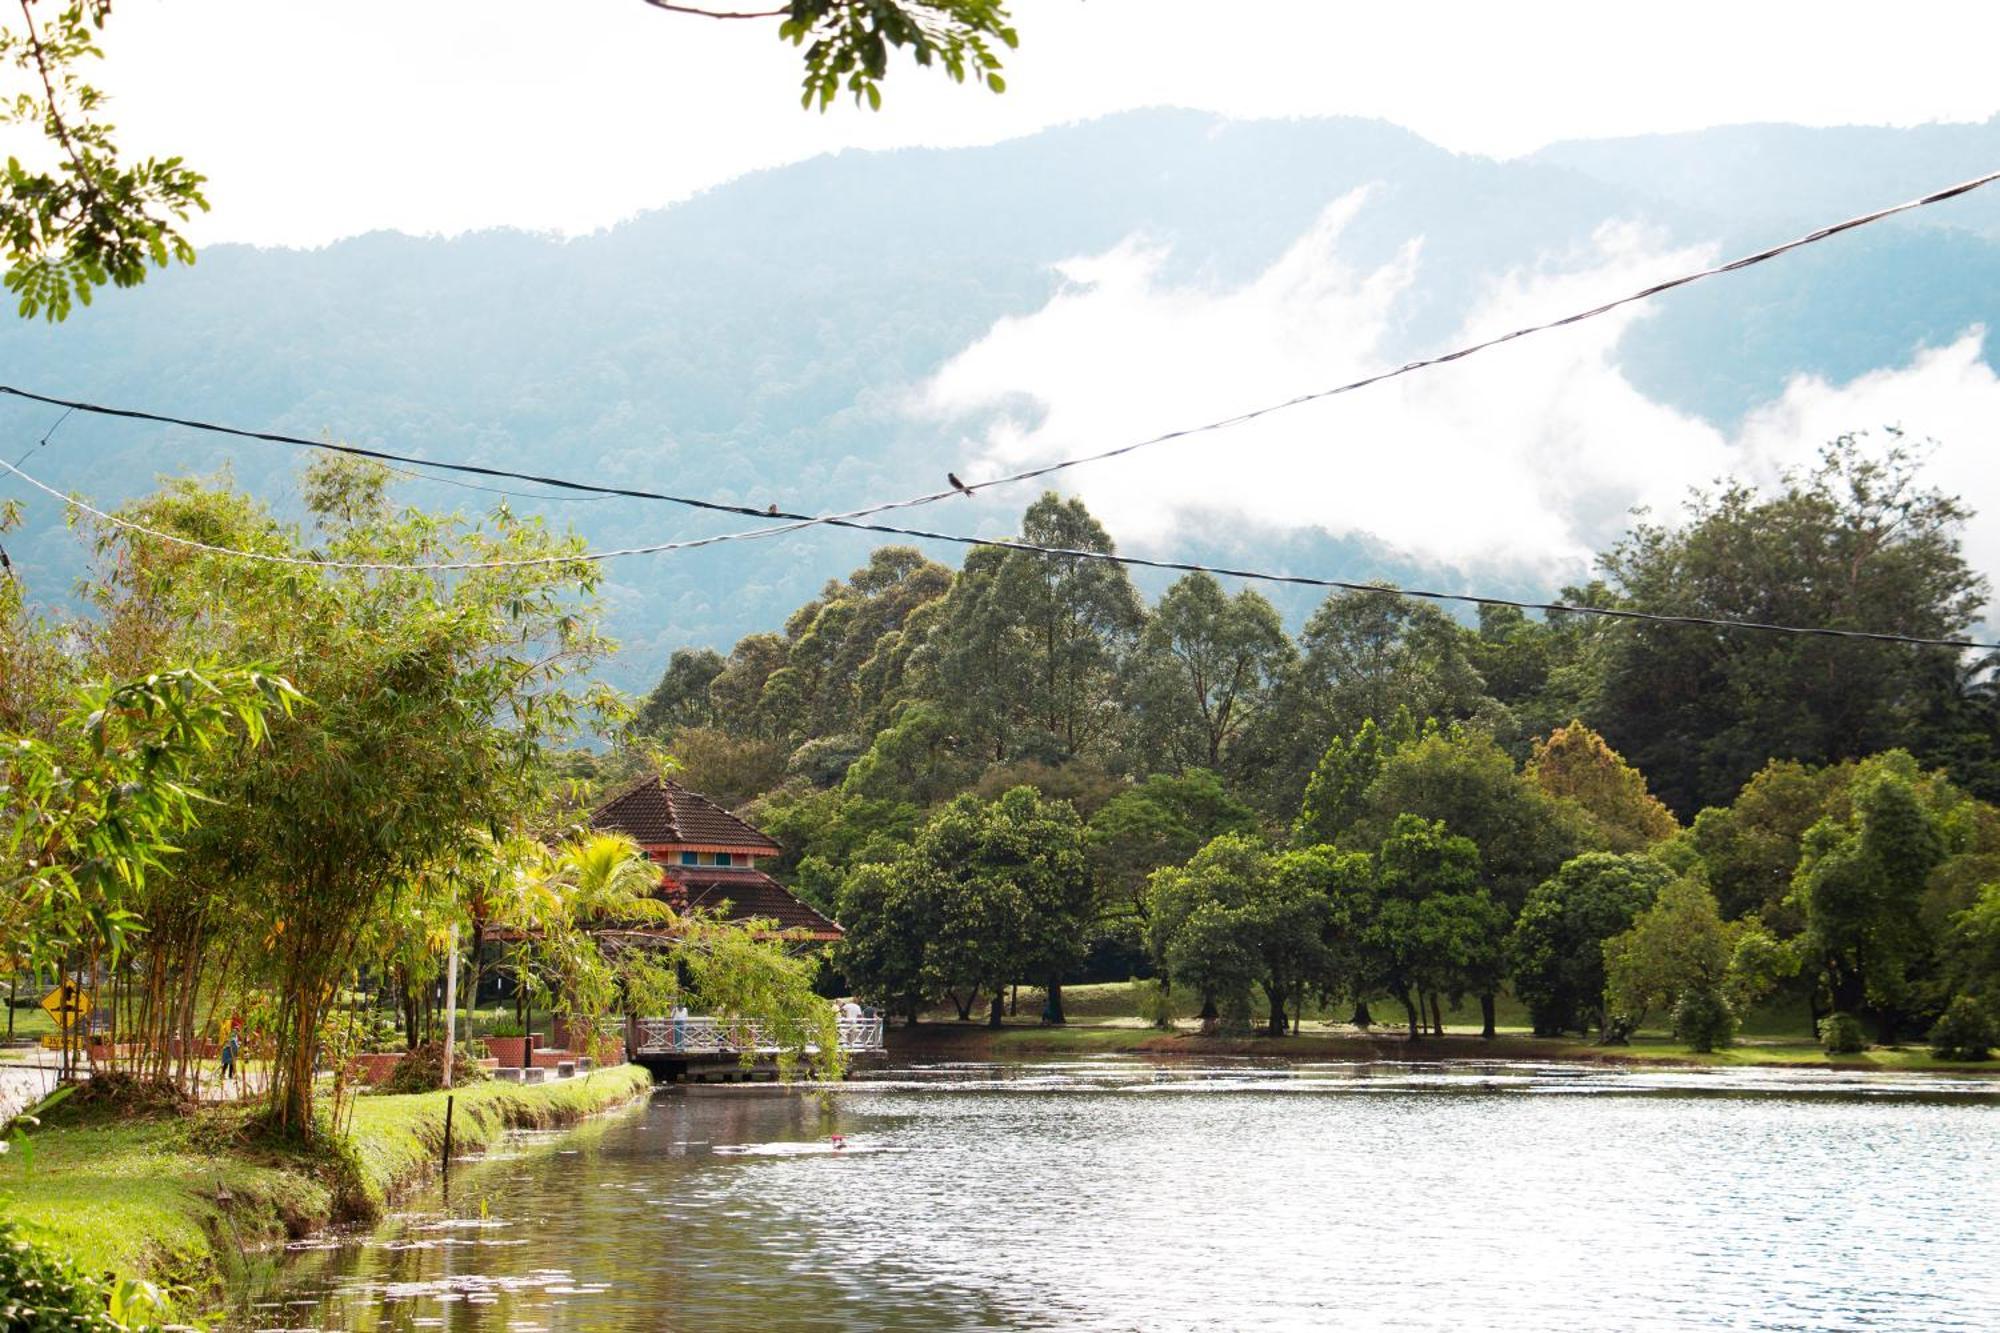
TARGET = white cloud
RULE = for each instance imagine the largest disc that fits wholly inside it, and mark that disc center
(1524, 459)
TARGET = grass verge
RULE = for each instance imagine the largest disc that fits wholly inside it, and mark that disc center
(1024, 1038)
(183, 1201)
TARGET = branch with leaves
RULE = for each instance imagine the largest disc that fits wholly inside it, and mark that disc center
(848, 42)
(89, 218)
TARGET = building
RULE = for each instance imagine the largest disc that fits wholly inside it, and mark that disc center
(708, 857)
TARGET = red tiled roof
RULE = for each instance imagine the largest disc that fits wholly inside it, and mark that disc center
(658, 812)
(749, 893)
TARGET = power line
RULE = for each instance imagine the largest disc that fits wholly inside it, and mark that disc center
(1046, 469)
(1032, 548)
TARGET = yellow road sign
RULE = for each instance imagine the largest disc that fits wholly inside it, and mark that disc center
(67, 1003)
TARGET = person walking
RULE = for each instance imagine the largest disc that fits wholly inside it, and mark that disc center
(229, 1051)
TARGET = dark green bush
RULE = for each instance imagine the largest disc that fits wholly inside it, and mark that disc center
(1704, 1020)
(1840, 1034)
(1963, 1032)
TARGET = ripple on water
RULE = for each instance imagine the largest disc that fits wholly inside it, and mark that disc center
(1115, 1193)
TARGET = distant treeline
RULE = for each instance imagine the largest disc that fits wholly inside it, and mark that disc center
(1426, 803)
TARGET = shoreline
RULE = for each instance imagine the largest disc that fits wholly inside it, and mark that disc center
(954, 1040)
(188, 1201)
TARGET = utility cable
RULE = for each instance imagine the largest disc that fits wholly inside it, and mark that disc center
(1047, 469)
(1105, 557)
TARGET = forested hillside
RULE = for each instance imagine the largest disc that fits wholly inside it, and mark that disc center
(762, 343)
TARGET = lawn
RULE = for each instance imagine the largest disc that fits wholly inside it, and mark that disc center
(187, 1200)
(1105, 1017)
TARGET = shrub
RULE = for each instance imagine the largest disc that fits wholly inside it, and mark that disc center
(1840, 1034)
(504, 1027)
(1963, 1032)
(1703, 1019)
(40, 1291)
(422, 1070)
(1156, 1002)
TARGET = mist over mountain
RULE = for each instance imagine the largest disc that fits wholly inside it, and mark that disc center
(851, 327)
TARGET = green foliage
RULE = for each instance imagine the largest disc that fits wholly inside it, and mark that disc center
(1965, 1031)
(1156, 1002)
(990, 893)
(93, 219)
(1841, 1034)
(1973, 947)
(1239, 915)
(1162, 821)
(42, 1293)
(1027, 650)
(848, 42)
(86, 816)
(1557, 944)
(1704, 1019)
(1463, 778)
(430, 705)
(1337, 793)
(1858, 885)
(1676, 947)
(1364, 655)
(422, 1069)
(680, 700)
(1854, 543)
(1575, 764)
(1207, 666)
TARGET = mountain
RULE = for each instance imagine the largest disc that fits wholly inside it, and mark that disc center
(760, 343)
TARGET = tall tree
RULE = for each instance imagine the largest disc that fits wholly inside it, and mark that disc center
(1464, 779)
(1207, 665)
(1365, 655)
(681, 699)
(1078, 618)
(1433, 927)
(430, 706)
(1575, 764)
(1857, 543)
(1860, 882)
(1557, 945)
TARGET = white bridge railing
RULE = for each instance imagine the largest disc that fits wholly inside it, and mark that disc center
(737, 1036)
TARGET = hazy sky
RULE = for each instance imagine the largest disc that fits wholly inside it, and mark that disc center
(317, 120)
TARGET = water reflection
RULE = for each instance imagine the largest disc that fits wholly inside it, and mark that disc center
(1119, 1194)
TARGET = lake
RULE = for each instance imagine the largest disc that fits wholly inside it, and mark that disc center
(1120, 1194)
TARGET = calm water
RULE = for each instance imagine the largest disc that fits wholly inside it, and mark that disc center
(1112, 1194)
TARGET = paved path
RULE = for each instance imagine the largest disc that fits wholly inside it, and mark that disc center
(24, 1082)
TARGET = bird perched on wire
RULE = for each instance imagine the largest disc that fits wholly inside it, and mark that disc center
(6, 565)
(956, 484)
(772, 511)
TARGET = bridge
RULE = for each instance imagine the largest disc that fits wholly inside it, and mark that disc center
(707, 1049)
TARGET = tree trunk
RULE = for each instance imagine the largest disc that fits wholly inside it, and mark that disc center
(1410, 1010)
(1437, 1016)
(1052, 1012)
(1014, 1000)
(993, 1013)
(1362, 1018)
(963, 1006)
(1276, 1025)
(1486, 1015)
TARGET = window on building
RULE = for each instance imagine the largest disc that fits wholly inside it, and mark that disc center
(724, 859)
(690, 859)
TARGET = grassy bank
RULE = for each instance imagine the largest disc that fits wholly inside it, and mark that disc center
(1104, 1018)
(1024, 1039)
(182, 1200)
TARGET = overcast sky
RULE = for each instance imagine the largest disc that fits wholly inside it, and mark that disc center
(317, 120)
